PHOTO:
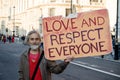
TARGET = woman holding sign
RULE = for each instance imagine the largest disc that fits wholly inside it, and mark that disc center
(33, 64)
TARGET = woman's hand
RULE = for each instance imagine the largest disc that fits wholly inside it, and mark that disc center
(68, 59)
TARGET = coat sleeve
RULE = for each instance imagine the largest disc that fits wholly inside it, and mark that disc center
(20, 71)
(53, 67)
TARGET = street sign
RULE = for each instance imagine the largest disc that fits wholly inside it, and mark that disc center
(88, 34)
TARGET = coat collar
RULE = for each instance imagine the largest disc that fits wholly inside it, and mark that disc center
(28, 51)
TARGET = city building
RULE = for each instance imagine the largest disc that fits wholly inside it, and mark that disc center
(118, 17)
(18, 17)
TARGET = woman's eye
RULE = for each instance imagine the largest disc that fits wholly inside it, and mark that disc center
(37, 39)
(34, 38)
(31, 38)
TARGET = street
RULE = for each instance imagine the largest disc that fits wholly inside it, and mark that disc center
(90, 68)
(9, 59)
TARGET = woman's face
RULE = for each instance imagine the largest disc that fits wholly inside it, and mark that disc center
(34, 39)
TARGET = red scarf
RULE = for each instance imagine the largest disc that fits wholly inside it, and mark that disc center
(33, 60)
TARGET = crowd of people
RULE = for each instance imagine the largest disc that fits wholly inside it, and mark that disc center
(10, 39)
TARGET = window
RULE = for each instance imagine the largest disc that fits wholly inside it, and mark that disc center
(68, 1)
(52, 0)
(2, 22)
(52, 12)
(77, 1)
(93, 0)
(17, 30)
(68, 11)
(101, 1)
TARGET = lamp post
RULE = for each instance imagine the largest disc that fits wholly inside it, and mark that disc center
(116, 57)
(14, 21)
(40, 24)
(71, 7)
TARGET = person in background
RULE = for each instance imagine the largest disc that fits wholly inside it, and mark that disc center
(9, 38)
(4, 39)
(23, 38)
(30, 57)
(13, 39)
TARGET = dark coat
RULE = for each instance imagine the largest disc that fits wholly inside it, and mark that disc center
(47, 67)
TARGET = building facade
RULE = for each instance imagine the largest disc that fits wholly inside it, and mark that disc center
(18, 17)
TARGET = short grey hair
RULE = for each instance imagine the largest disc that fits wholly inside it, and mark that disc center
(30, 33)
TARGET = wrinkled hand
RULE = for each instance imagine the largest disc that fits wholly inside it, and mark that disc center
(68, 59)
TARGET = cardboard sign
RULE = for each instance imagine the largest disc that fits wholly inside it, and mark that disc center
(88, 34)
